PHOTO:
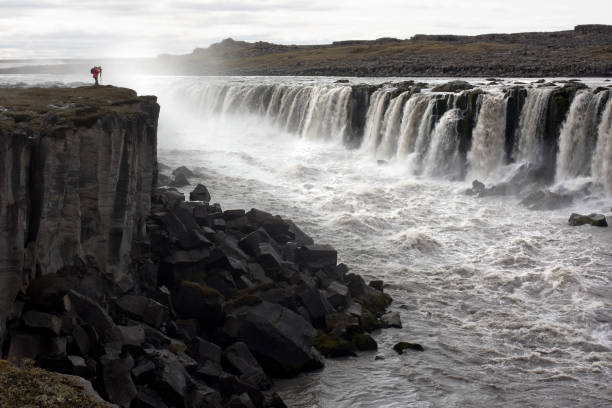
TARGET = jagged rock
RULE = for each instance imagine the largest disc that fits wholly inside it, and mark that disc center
(402, 346)
(377, 284)
(338, 295)
(163, 180)
(168, 197)
(132, 335)
(300, 237)
(316, 305)
(364, 342)
(148, 398)
(200, 193)
(280, 339)
(239, 358)
(147, 367)
(453, 86)
(40, 320)
(144, 309)
(200, 302)
(546, 200)
(341, 324)
(184, 171)
(333, 345)
(392, 320)
(204, 350)
(180, 180)
(93, 314)
(78, 366)
(23, 345)
(597, 220)
(317, 257)
(356, 285)
(118, 383)
(477, 187)
(171, 378)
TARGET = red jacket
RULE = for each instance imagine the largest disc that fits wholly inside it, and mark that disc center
(96, 72)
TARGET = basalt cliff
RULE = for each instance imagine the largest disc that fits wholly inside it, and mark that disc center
(153, 300)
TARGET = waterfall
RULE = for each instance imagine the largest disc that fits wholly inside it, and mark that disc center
(443, 158)
(602, 159)
(327, 113)
(578, 136)
(414, 112)
(425, 129)
(488, 138)
(374, 119)
(391, 126)
(531, 126)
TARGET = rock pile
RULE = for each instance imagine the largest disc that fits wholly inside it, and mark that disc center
(223, 302)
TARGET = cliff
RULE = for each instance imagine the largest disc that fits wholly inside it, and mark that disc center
(77, 167)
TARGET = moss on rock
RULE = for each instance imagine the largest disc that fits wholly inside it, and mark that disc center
(31, 387)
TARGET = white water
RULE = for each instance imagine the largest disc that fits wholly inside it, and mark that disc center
(578, 136)
(512, 306)
(488, 140)
(442, 159)
(374, 119)
(531, 126)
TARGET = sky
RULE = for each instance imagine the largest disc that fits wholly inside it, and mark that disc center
(146, 28)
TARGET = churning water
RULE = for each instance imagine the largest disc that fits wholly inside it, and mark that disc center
(513, 307)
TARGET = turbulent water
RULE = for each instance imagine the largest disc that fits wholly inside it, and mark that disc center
(513, 307)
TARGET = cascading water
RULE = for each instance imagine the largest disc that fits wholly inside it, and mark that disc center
(374, 119)
(391, 126)
(487, 154)
(602, 160)
(578, 136)
(442, 158)
(531, 126)
(414, 112)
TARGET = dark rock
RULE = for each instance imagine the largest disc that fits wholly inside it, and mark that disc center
(39, 320)
(202, 396)
(144, 309)
(240, 360)
(204, 350)
(171, 378)
(209, 372)
(118, 384)
(546, 200)
(269, 259)
(250, 243)
(598, 220)
(93, 314)
(377, 284)
(23, 345)
(200, 193)
(143, 369)
(132, 335)
(392, 320)
(333, 346)
(317, 257)
(180, 180)
(300, 237)
(342, 81)
(185, 171)
(79, 367)
(338, 295)
(364, 342)
(402, 346)
(280, 339)
(477, 187)
(163, 180)
(341, 324)
(316, 305)
(200, 302)
(453, 86)
(82, 340)
(356, 285)
(168, 197)
(148, 398)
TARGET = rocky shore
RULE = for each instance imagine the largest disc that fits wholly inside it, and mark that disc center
(156, 299)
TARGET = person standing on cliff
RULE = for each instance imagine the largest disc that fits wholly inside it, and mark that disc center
(95, 71)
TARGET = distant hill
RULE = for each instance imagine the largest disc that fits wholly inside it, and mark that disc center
(584, 51)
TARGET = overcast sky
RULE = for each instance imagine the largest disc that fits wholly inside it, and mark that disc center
(123, 28)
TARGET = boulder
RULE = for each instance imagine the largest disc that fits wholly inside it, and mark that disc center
(392, 319)
(163, 180)
(93, 314)
(144, 309)
(377, 284)
(117, 380)
(39, 320)
(183, 170)
(598, 220)
(280, 339)
(23, 345)
(316, 305)
(331, 345)
(171, 378)
(180, 180)
(317, 257)
(338, 295)
(204, 350)
(200, 302)
(239, 359)
(546, 200)
(402, 346)
(132, 335)
(200, 193)
(364, 342)
(167, 197)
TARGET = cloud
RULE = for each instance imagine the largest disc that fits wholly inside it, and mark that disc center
(87, 28)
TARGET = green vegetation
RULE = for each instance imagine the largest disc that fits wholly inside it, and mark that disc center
(31, 387)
